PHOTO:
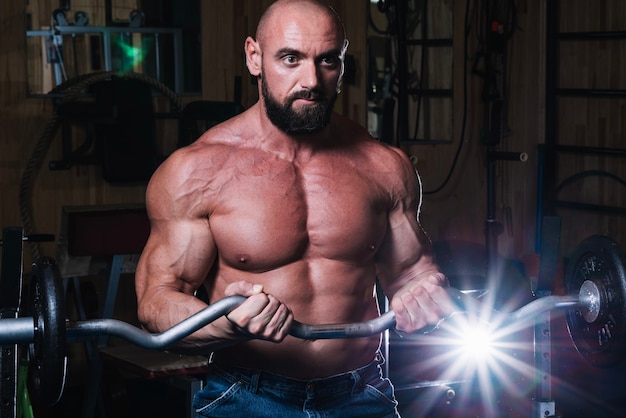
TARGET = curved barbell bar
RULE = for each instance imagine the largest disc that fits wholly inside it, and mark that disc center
(22, 330)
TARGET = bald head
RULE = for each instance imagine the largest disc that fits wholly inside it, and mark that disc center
(281, 8)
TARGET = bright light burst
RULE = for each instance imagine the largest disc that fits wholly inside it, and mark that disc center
(484, 349)
(475, 341)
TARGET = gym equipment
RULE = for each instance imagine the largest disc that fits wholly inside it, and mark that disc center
(14, 398)
(596, 285)
(598, 330)
(47, 365)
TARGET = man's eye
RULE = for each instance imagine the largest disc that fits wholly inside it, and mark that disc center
(290, 59)
(330, 61)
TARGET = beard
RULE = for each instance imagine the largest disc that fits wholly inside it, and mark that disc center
(307, 120)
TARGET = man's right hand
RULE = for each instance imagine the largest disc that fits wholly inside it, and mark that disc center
(261, 316)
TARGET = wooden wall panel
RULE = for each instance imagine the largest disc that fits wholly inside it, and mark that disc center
(526, 114)
(219, 65)
(459, 210)
(596, 121)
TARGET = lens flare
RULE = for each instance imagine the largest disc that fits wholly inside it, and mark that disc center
(489, 355)
(475, 342)
(133, 55)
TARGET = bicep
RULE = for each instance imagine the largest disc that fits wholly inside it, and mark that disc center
(178, 254)
(406, 252)
(180, 248)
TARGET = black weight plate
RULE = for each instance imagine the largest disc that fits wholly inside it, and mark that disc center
(602, 342)
(47, 365)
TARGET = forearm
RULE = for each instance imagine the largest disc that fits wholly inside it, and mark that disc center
(164, 309)
(414, 271)
(206, 341)
(413, 281)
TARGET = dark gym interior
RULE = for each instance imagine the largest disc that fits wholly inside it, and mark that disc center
(512, 111)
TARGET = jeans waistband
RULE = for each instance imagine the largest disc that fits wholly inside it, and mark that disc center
(256, 380)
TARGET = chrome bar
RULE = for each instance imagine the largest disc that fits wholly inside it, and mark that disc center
(21, 330)
(17, 331)
(144, 339)
(530, 311)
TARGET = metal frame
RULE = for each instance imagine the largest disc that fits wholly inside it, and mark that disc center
(107, 31)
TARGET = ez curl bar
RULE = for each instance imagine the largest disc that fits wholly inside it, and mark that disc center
(596, 316)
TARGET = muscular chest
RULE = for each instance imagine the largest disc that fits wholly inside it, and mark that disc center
(274, 214)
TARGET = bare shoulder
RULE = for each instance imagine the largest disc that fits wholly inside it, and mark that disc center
(186, 179)
(382, 159)
(383, 165)
(212, 151)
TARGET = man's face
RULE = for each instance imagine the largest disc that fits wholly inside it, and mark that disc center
(300, 71)
(304, 120)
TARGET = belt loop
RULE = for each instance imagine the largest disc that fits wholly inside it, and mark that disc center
(254, 381)
(358, 383)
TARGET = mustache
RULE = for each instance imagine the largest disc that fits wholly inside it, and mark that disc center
(307, 95)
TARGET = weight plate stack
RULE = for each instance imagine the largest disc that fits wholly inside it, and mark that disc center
(47, 365)
(596, 272)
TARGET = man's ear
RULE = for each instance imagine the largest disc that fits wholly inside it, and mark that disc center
(253, 56)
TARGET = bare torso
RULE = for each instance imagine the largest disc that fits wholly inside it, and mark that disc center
(307, 227)
(300, 224)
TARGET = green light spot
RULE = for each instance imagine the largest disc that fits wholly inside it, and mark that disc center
(133, 55)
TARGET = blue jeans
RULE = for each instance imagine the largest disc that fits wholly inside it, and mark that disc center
(240, 392)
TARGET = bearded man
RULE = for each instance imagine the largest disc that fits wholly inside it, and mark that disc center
(300, 210)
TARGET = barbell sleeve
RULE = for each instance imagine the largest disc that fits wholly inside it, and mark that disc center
(17, 331)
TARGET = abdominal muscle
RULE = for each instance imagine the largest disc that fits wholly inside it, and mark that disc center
(325, 292)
